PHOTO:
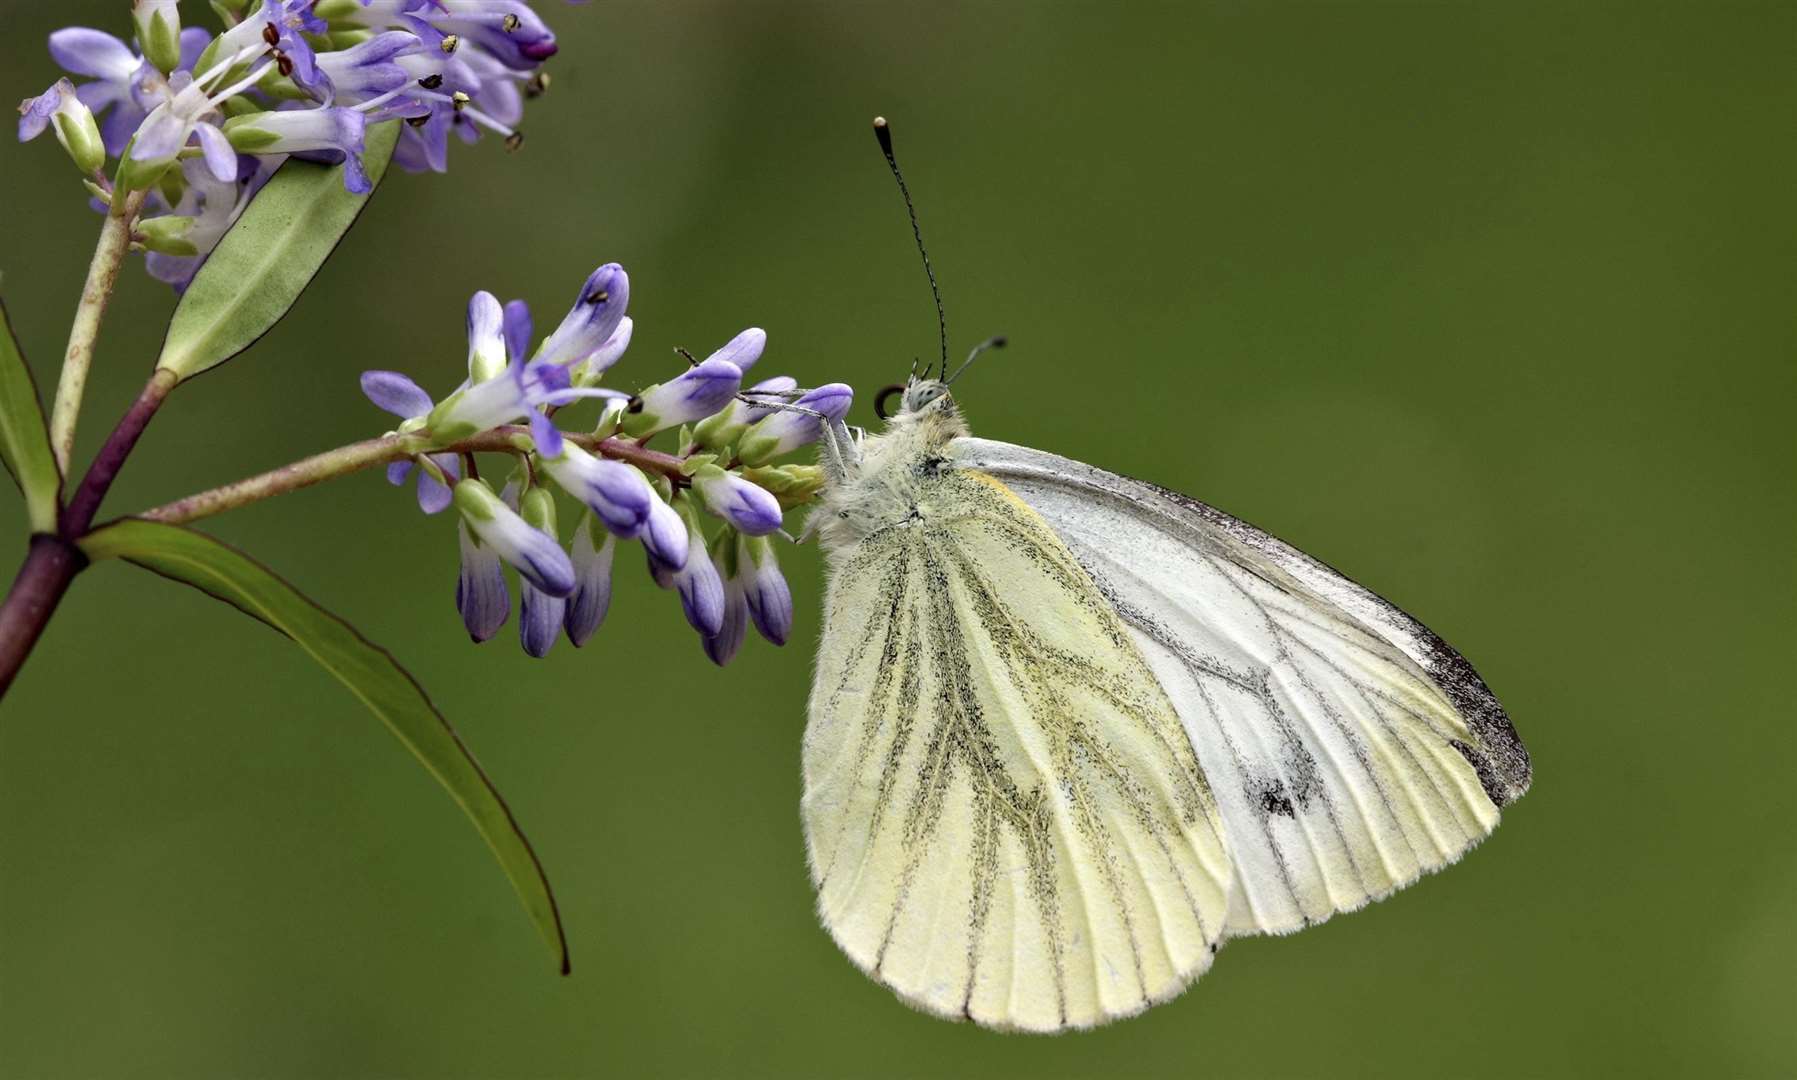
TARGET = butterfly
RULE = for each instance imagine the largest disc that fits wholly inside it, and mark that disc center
(1069, 732)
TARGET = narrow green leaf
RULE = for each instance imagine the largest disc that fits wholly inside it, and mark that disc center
(268, 258)
(24, 437)
(371, 674)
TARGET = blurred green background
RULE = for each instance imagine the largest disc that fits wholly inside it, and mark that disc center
(1489, 305)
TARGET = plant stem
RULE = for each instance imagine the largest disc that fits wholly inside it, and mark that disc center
(111, 458)
(49, 566)
(54, 561)
(102, 274)
(370, 452)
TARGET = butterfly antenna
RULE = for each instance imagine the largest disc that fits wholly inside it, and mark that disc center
(883, 132)
(989, 343)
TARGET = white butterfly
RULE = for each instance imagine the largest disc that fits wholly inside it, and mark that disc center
(1070, 732)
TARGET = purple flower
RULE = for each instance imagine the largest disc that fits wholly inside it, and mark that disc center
(667, 540)
(538, 559)
(769, 600)
(774, 390)
(700, 587)
(368, 69)
(516, 319)
(746, 506)
(125, 86)
(725, 426)
(508, 30)
(295, 131)
(489, 328)
(480, 593)
(592, 592)
(722, 646)
(518, 393)
(590, 323)
(588, 371)
(61, 107)
(697, 392)
(396, 393)
(540, 613)
(186, 113)
(434, 496)
(619, 495)
(785, 430)
(743, 349)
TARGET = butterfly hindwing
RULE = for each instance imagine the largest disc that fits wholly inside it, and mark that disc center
(1349, 749)
(1004, 817)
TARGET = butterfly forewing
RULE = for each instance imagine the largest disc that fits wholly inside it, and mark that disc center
(1005, 817)
(1348, 748)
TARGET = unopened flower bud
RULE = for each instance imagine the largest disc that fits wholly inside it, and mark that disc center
(743, 349)
(701, 589)
(697, 392)
(592, 590)
(76, 130)
(769, 599)
(747, 507)
(722, 646)
(486, 337)
(537, 558)
(158, 32)
(480, 593)
(167, 234)
(785, 430)
(590, 323)
(725, 426)
(540, 613)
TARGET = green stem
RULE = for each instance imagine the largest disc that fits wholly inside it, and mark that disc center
(102, 274)
(371, 452)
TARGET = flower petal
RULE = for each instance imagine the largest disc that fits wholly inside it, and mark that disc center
(396, 394)
(592, 320)
(83, 51)
(592, 594)
(220, 158)
(769, 598)
(723, 645)
(539, 620)
(480, 593)
(743, 349)
(486, 337)
(666, 536)
(517, 329)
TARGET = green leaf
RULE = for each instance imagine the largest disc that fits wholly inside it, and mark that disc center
(268, 258)
(371, 674)
(24, 438)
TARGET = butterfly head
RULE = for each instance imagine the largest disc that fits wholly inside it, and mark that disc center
(920, 393)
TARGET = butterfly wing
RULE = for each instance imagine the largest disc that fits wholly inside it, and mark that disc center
(1350, 750)
(1003, 816)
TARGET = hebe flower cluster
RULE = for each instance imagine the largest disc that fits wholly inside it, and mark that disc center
(199, 120)
(728, 441)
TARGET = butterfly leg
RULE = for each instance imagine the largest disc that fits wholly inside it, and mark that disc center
(840, 454)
